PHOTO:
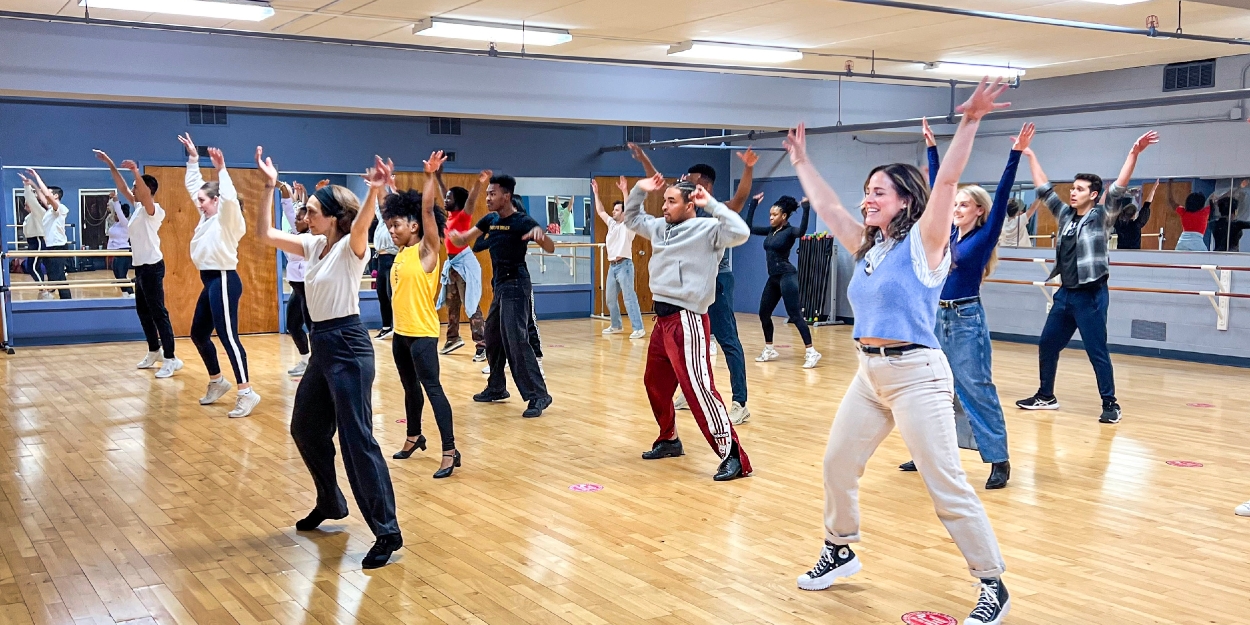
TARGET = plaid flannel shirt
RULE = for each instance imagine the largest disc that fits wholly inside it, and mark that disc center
(1093, 231)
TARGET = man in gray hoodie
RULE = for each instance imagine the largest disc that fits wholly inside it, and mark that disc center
(684, 254)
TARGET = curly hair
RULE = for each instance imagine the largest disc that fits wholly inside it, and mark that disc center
(912, 187)
(787, 205)
(407, 205)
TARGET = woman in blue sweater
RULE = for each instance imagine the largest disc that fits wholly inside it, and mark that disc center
(961, 327)
(783, 278)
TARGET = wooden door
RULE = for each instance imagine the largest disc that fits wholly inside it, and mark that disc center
(1171, 194)
(416, 180)
(258, 263)
(609, 193)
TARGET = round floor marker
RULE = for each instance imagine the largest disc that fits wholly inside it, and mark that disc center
(1200, 405)
(401, 420)
(929, 618)
(784, 346)
(555, 346)
(585, 488)
(1184, 463)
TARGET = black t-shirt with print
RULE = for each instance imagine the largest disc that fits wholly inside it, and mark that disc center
(502, 236)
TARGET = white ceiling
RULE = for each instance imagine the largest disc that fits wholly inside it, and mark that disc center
(826, 29)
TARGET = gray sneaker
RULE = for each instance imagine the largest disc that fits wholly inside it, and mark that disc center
(298, 369)
(216, 390)
(169, 367)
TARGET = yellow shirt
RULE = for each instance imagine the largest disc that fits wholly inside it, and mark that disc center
(413, 293)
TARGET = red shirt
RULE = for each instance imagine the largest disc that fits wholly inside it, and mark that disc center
(1194, 222)
(457, 221)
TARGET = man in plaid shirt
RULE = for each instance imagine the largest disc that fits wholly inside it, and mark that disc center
(1081, 265)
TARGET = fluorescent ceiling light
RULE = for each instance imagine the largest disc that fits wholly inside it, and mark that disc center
(249, 10)
(489, 31)
(977, 71)
(735, 52)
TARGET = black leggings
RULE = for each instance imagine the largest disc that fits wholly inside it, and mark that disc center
(416, 359)
(782, 287)
(218, 309)
(382, 285)
(297, 318)
(121, 269)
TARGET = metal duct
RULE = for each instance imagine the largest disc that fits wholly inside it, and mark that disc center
(1029, 19)
(1045, 111)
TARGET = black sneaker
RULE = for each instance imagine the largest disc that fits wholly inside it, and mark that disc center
(1038, 402)
(664, 449)
(993, 604)
(1110, 413)
(488, 395)
(731, 467)
(537, 406)
(381, 551)
(451, 346)
(384, 333)
(909, 466)
(835, 561)
(480, 356)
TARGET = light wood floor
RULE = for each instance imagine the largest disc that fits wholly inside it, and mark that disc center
(126, 501)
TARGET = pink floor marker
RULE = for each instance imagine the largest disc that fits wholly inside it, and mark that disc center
(1200, 405)
(401, 420)
(929, 618)
(1184, 463)
(585, 488)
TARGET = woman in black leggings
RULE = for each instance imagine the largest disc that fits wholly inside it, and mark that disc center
(783, 278)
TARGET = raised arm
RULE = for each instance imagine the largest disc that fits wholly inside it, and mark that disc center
(1143, 215)
(231, 212)
(142, 194)
(848, 231)
(118, 180)
(749, 159)
(636, 219)
(640, 156)
(193, 180)
(986, 238)
(1130, 163)
(1045, 191)
(935, 223)
(288, 202)
(731, 230)
(807, 213)
(483, 181)
(265, 230)
(603, 214)
(931, 150)
(33, 204)
(377, 178)
(430, 240)
(750, 218)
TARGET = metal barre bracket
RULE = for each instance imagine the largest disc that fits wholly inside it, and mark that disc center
(1223, 284)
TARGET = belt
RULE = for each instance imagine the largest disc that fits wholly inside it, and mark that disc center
(956, 303)
(897, 350)
(619, 260)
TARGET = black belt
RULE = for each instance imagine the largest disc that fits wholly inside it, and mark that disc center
(897, 350)
(956, 303)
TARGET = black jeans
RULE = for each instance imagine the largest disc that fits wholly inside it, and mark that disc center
(508, 340)
(297, 318)
(382, 285)
(784, 286)
(121, 269)
(416, 359)
(218, 309)
(150, 306)
(536, 339)
(336, 394)
(1084, 310)
(56, 270)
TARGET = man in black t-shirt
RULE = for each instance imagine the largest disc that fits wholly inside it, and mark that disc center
(507, 232)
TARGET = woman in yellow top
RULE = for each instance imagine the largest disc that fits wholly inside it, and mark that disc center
(416, 226)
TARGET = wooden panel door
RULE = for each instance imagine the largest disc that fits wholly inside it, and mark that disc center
(258, 263)
(416, 180)
(1162, 214)
(609, 193)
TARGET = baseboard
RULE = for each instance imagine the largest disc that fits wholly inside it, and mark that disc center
(1137, 350)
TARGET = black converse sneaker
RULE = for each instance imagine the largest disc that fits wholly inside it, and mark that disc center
(835, 561)
(1110, 413)
(993, 604)
(1038, 402)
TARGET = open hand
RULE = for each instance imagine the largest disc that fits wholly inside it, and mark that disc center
(435, 162)
(484, 177)
(652, 184)
(758, 197)
(1025, 138)
(1144, 142)
(623, 185)
(301, 194)
(982, 101)
(796, 144)
(749, 158)
(700, 197)
(929, 139)
(325, 182)
(185, 140)
(218, 159)
(266, 167)
(103, 157)
(594, 187)
(131, 166)
(636, 152)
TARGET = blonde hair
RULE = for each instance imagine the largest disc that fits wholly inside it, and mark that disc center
(981, 198)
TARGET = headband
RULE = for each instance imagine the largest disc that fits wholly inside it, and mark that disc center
(329, 205)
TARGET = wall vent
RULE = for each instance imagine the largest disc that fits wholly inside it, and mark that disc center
(637, 134)
(206, 115)
(1191, 75)
(1149, 330)
(445, 125)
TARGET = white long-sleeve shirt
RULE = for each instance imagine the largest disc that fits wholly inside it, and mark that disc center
(119, 232)
(294, 262)
(32, 225)
(215, 245)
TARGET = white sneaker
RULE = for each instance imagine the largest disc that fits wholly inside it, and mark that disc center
(1243, 509)
(244, 405)
(680, 402)
(611, 330)
(769, 354)
(298, 369)
(215, 390)
(149, 361)
(738, 414)
(813, 357)
(637, 334)
(486, 370)
(713, 351)
(168, 368)
(46, 295)
(128, 295)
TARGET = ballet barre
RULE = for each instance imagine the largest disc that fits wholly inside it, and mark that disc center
(65, 253)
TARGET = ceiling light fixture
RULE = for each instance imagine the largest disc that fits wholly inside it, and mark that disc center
(446, 28)
(968, 69)
(733, 52)
(248, 10)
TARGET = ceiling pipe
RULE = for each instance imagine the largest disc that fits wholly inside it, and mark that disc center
(1044, 111)
(1047, 21)
(492, 52)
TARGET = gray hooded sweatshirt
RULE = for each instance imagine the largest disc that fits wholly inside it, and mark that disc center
(685, 256)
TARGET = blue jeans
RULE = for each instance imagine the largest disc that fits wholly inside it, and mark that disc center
(1189, 242)
(621, 280)
(965, 338)
(725, 329)
(1084, 310)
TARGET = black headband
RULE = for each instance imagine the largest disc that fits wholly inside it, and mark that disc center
(329, 205)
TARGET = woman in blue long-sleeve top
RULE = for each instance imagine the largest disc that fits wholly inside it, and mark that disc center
(961, 328)
(783, 280)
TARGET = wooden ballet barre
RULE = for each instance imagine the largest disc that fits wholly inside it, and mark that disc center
(67, 253)
(1132, 289)
(1116, 263)
(68, 284)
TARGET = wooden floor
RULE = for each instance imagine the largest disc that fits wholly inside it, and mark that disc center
(126, 501)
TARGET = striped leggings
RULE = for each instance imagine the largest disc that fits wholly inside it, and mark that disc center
(218, 310)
